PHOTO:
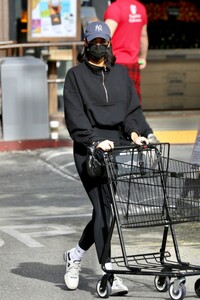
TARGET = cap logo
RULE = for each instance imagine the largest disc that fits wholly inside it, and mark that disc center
(98, 28)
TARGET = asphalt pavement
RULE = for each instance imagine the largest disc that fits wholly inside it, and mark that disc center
(43, 211)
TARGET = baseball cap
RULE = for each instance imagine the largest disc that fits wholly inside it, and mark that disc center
(97, 29)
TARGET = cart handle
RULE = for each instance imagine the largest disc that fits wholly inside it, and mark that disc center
(135, 146)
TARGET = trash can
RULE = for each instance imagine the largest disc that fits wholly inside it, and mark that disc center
(24, 98)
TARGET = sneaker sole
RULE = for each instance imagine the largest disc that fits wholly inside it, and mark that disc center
(120, 293)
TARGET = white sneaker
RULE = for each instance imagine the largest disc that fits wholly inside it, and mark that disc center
(153, 139)
(72, 271)
(118, 288)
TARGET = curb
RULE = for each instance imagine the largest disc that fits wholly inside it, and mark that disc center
(33, 144)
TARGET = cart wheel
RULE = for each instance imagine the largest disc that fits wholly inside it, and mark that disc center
(103, 292)
(162, 283)
(197, 287)
(177, 293)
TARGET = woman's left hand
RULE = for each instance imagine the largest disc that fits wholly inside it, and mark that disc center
(139, 140)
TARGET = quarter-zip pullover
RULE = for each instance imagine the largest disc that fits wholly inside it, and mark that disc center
(103, 82)
(96, 97)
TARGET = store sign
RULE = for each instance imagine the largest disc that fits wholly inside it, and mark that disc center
(54, 20)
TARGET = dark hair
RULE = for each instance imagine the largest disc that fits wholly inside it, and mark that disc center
(110, 57)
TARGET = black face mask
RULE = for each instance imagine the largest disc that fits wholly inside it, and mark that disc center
(96, 52)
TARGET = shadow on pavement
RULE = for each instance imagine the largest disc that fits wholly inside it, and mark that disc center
(54, 274)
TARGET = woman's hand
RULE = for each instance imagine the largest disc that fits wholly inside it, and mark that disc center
(106, 145)
(139, 140)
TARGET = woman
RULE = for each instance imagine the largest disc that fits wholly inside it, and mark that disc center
(101, 108)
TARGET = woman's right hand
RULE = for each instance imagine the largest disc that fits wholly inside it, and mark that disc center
(106, 145)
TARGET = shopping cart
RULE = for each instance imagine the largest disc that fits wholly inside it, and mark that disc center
(149, 189)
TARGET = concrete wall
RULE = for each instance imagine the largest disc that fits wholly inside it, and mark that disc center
(171, 80)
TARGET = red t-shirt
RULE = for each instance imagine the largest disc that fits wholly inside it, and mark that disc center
(131, 16)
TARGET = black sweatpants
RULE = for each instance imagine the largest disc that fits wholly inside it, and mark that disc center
(96, 230)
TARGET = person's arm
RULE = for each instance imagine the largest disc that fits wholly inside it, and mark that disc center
(112, 25)
(77, 122)
(144, 44)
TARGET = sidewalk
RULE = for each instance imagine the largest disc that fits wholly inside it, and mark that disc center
(174, 127)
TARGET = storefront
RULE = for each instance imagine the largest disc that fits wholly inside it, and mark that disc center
(171, 79)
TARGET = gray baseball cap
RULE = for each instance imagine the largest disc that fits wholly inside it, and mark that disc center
(97, 29)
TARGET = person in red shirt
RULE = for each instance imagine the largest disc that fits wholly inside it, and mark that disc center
(128, 20)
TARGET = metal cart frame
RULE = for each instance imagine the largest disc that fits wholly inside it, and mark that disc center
(149, 189)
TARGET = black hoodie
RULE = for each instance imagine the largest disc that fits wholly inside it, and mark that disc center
(97, 97)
